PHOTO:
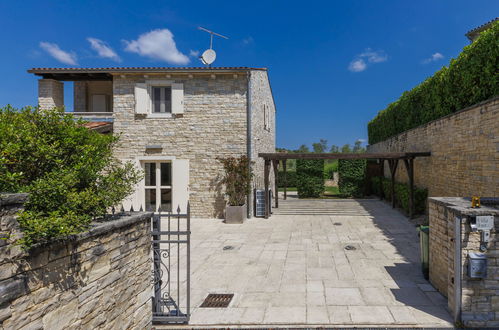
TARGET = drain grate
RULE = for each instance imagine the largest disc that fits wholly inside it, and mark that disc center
(217, 300)
(337, 223)
(349, 247)
(228, 247)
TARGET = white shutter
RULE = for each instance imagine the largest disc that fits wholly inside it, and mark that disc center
(180, 184)
(141, 98)
(177, 98)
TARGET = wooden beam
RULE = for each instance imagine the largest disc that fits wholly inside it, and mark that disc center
(409, 166)
(393, 170)
(266, 183)
(275, 164)
(285, 181)
(365, 155)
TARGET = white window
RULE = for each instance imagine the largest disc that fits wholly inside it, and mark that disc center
(159, 98)
(158, 186)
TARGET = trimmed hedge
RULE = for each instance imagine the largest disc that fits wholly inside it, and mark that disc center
(310, 177)
(468, 80)
(290, 179)
(402, 195)
(352, 173)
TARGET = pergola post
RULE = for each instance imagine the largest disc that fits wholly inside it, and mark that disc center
(284, 161)
(393, 170)
(409, 166)
(275, 164)
(266, 183)
(381, 191)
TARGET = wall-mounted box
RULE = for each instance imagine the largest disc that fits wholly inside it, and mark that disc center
(477, 265)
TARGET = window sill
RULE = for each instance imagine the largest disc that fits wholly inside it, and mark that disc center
(159, 115)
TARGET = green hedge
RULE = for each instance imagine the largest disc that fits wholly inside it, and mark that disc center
(469, 79)
(310, 177)
(290, 179)
(402, 194)
(352, 173)
(329, 169)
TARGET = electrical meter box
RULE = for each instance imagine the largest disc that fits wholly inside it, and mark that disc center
(477, 265)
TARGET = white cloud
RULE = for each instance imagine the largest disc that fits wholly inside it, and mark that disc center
(360, 63)
(435, 57)
(159, 45)
(248, 40)
(194, 53)
(58, 53)
(103, 50)
(357, 65)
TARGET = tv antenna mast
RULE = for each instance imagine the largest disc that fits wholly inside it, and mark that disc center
(209, 55)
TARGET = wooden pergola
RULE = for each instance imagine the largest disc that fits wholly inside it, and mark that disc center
(392, 158)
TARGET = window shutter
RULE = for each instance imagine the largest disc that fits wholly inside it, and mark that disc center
(177, 98)
(180, 184)
(141, 98)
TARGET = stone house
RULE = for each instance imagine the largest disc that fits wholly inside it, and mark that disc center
(174, 122)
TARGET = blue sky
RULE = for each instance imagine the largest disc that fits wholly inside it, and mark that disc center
(333, 64)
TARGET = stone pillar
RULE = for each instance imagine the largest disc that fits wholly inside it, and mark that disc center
(50, 94)
(80, 96)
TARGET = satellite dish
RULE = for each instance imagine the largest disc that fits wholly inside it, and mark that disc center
(208, 56)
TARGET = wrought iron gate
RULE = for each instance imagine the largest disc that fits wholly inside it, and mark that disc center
(171, 238)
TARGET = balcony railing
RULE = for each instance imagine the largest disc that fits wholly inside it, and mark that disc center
(94, 116)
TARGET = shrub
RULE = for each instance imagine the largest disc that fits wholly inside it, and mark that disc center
(237, 179)
(469, 79)
(329, 169)
(402, 194)
(310, 177)
(352, 173)
(68, 170)
(290, 179)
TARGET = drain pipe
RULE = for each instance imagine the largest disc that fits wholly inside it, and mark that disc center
(249, 138)
(457, 269)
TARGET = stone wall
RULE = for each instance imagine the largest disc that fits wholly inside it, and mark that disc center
(83, 91)
(98, 280)
(262, 128)
(479, 299)
(50, 94)
(465, 152)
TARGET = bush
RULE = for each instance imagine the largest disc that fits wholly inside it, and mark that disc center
(310, 178)
(68, 170)
(237, 179)
(469, 79)
(352, 173)
(402, 194)
(290, 179)
(329, 169)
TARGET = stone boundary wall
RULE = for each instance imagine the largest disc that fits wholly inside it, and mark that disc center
(479, 297)
(100, 279)
(465, 152)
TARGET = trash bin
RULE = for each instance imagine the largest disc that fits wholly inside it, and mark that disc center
(424, 242)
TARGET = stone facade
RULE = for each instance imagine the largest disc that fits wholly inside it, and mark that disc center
(98, 280)
(465, 152)
(83, 91)
(50, 94)
(474, 302)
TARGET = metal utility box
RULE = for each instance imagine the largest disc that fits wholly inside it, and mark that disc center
(477, 265)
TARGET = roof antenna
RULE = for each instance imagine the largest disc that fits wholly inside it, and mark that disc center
(209, 55)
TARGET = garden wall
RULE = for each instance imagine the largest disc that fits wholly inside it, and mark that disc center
(465, 152)
(98, 280)
(478, 298)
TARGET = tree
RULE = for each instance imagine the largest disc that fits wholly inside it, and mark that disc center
(303, 149)
(346, 148)
(68, 170)
(320, 147)
(334, 149)
(358, 146)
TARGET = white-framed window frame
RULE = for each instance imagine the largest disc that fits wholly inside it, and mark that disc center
(158, 83)
(157, 187)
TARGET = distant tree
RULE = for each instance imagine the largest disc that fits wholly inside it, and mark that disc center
(334, 149)
(303, 148)
(346, 148)
(358, 146)
(320, 146)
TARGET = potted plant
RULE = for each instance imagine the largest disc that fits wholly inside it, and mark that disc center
(237, 180)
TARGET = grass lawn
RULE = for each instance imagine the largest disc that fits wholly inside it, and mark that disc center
(330, 192)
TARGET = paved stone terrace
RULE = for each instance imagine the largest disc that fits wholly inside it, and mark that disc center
(293, 269)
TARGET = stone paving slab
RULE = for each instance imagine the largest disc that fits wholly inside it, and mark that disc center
(293, 269)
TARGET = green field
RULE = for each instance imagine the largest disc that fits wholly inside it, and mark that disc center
(329, 192)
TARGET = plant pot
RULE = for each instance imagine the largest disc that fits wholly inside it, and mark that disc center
(235, 214)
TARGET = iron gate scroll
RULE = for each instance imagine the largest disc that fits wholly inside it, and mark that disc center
(171, 243)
